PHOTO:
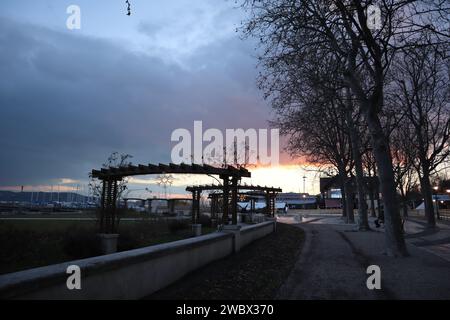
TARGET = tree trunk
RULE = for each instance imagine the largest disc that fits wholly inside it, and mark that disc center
(349, 201)
(362, 205)
(372, 192)
(342, 178)
(427, 193)
(377, 197)
(395, 242)
(376, 191)
(372, 201)
(360, 184)
(404, 202)
(405, 209)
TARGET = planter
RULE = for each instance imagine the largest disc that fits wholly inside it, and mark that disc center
(258, 218)
(108, 242)
(197, 229)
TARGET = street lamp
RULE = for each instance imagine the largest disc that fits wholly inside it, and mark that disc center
(436, 199)
(304, 184)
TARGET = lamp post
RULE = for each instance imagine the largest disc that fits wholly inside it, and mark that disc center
(304, 184)
(448, 191)
(436, 199)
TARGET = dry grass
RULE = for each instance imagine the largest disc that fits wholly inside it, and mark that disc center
(256, 272)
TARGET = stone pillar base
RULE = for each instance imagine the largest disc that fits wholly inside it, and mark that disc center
(236, 231)
(197, 229)
(258, 218)
(274, 220)
(108, 242)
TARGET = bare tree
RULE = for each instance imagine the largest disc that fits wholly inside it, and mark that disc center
(422, 93)
(352, 124)
(405, 175)
(370, 168)
(312, 117)
(341, 28)
(319, 84)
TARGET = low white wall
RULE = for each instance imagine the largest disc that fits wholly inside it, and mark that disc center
(256, 231)
(130, 274)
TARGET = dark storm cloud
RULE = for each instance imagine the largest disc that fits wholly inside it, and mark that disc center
(67, 101)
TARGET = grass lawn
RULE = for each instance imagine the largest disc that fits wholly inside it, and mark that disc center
(26, 244)
(256, 272)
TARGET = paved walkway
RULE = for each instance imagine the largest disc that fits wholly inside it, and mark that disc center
(436, 241)
(335, 257)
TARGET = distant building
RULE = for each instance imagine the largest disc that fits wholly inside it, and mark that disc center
(331, 193)
(295, 200)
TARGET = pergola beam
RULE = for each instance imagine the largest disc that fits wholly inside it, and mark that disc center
(240, 187)
(117, 173)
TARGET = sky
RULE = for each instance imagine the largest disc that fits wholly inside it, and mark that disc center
(69, 98)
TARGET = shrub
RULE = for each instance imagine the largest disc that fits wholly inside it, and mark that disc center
(81, 243)
(177, 225)
(127, 241)
(204, 220)
(14, 245)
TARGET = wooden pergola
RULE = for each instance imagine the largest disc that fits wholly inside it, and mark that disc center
(111, 176)
(270, 194)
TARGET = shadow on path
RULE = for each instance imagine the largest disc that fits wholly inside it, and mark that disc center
(334, 261)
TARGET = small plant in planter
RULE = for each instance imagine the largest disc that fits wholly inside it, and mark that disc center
(110, 193)
(108, 223)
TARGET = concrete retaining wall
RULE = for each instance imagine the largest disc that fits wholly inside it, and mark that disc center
(130, 274)
(252, 232)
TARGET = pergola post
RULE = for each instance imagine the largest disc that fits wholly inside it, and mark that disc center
(193, 207)
(113, 206)
(103, 206)
(214, 205)
(234, 190)
(226, 190)
(171, 205)
(267, 195)
(149, 205)
(108, 206)
(252, 205)
(273, 203)
(197, 206)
